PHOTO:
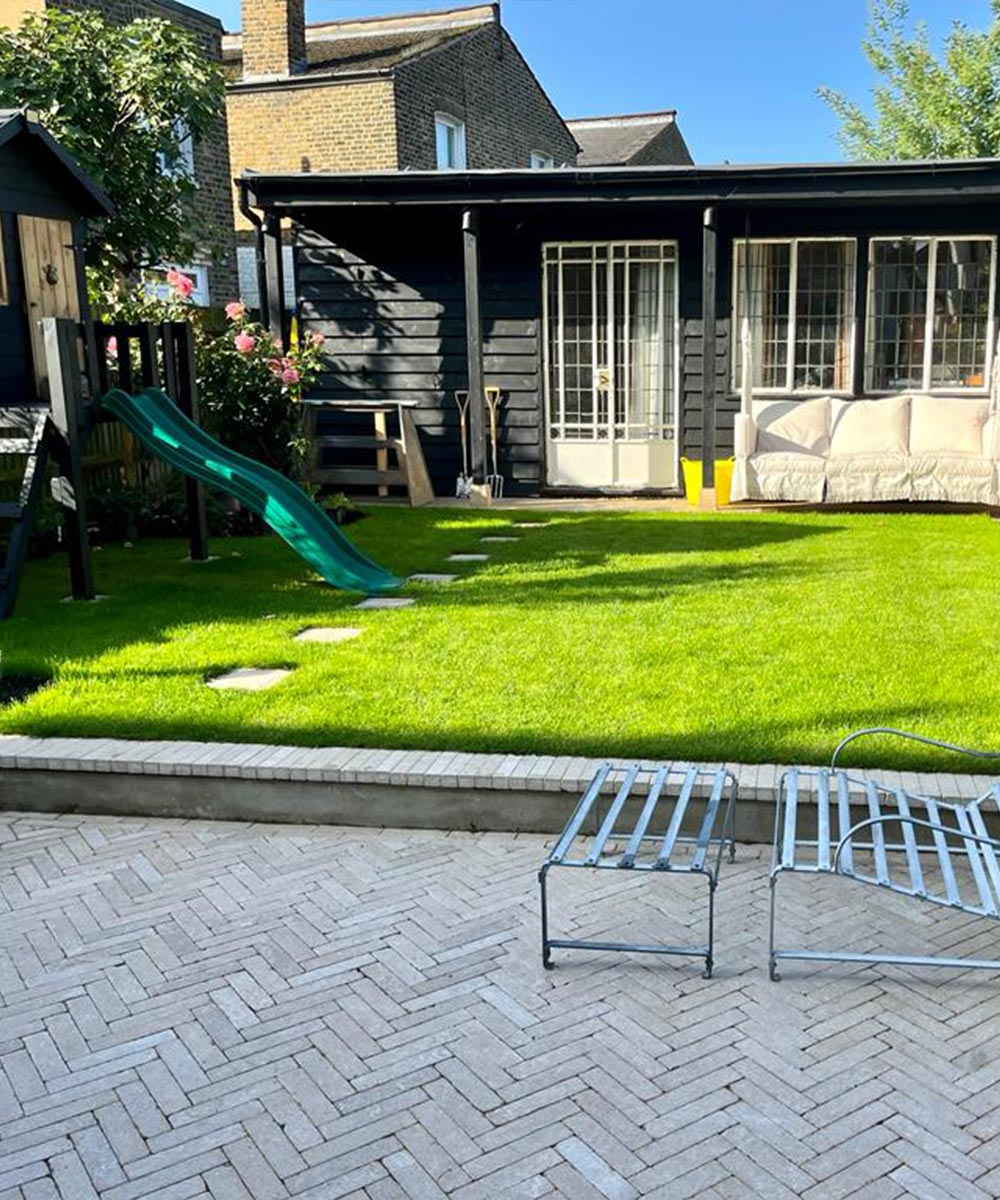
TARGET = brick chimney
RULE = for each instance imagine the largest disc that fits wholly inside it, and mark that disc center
(274, 38)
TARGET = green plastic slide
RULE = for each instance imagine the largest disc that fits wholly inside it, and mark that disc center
(163, 429)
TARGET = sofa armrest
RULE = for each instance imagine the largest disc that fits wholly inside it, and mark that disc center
(991, 437)
(744, 436)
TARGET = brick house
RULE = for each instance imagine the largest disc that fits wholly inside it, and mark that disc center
(419, 91)
(631, 140)
(214, 273)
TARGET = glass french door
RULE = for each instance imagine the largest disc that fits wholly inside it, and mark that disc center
(610, 312)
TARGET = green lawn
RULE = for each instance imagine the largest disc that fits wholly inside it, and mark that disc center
(751, 637)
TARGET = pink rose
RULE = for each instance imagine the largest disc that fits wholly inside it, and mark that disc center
(111, 346)
(244, 342)
(235, 309)
(289, 375)
(317, 339)
(275, 365)
(182, 284)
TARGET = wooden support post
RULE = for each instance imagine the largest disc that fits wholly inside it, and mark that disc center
(273, 301)
(183, 390)
(65, 382)
(474, 344)
(708, 341)
(860, 316)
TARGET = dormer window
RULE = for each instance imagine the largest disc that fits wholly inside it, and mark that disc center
(540, 161)
(450, 141)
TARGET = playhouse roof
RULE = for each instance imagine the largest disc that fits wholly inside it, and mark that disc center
(17, 124)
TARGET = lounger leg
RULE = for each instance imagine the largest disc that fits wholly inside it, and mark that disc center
(710, 956)
(731, 821)
(546, 949)
(772, 962)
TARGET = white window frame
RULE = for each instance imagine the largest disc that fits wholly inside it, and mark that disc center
(672, 428)
(540, 161)
(793, 279)
(457, 129)
(183, 168)
(932, 240)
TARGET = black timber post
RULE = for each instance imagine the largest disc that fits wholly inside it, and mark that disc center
(182, 387)
(860, 316)
(272, 302)
(62, 359)
(708, 305)
(474, 344)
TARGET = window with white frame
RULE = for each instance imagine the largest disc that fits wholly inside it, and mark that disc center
(930, 313)
(182, 166)
(798, 294)
(540, 161)
(449, 134)
(198, 274)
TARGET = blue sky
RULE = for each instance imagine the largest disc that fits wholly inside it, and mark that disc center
(741, 73)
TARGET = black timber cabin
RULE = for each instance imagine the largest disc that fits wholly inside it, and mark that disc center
(608, 304)
(45, 201)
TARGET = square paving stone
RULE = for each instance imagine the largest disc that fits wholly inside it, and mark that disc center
(432, 577)
(499, 539)
(386, 602)
(529, 524)
(468, 557)
(327, 633)
(250, 679)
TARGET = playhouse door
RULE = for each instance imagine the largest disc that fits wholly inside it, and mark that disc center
(611, 364)
(50, 289)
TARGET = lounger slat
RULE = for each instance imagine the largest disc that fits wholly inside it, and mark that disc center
(708, 821)
(976, 863)
(639, 832)
(878, 835)
(791, 790)
(943, 853)
(582, 809)
(670, 837)
(910, 842)
(844, 824)
(608, 825)
(988, 852)
(823, 821)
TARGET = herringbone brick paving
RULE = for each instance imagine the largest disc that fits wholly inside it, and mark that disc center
(192, 1009)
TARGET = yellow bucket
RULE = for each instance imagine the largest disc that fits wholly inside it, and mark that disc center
(693, 480)
(723, 480)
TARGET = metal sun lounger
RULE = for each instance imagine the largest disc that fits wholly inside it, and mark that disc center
(666, 801)
(910, 844)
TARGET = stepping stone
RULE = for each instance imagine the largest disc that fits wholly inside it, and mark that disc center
(386, 602)
(250, 679)
(499, 539)
(468, 557)
(327, 633)
(431, 577)
(529, 524)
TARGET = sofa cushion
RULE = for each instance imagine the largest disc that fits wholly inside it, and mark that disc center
(870, 426)
(793, 426)
(957, 478)
(861, 478)
(780, 475)
(950, 425)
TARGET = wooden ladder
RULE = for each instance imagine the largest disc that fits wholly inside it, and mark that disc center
(410, 471)
(31, 440)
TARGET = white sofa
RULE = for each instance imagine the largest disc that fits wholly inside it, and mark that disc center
(906, 447)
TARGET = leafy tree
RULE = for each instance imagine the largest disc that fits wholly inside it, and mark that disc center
(924, 106)
(121, 99)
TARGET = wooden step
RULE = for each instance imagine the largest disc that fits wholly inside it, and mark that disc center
(361, 476)
(15, 445)
(337, 441)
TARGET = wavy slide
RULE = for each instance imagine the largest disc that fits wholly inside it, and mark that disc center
(164, 430)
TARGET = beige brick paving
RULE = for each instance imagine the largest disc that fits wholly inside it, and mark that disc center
(193, 1009)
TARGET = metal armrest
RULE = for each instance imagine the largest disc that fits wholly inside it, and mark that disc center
(912, 737)
(934, 826)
